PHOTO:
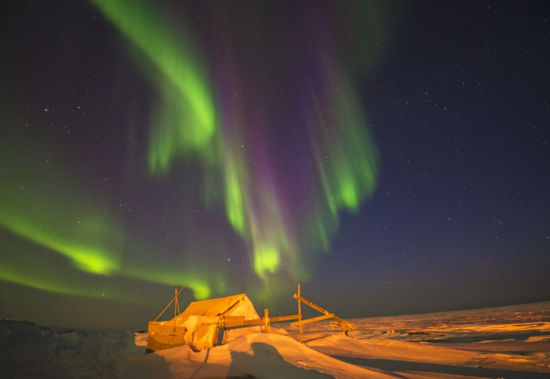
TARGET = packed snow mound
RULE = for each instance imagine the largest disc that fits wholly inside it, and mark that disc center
(259, 355)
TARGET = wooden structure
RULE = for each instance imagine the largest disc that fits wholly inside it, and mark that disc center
(346, 326)
(165, 335)
(202, 321)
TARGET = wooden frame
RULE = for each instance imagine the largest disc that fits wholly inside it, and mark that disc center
(175, 334)
(229, 322)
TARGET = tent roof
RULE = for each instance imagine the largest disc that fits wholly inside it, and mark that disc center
(214, 307)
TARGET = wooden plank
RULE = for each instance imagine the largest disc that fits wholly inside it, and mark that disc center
(176, 303)
(168, 329)
(313, 319)
(239, 321)
(236, 321)
(231, 321)
(284, 318)
(160, 341)
(343, 323)
(310, 304)
(257, 321)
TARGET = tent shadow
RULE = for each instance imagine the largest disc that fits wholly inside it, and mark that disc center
(266, 362)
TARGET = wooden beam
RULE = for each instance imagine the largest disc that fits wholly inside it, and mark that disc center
(176, 305)
(310, 304)
(236, 321)
(284, 318)
(257, 321)
(230, 321)
(161, 328)
(343, 323)
(313, 319)
(227, 322)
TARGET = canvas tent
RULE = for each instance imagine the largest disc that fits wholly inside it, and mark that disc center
(200, 323)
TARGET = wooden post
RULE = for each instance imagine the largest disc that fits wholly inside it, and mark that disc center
(299, 313)
(176, 305)
(168, 305)
(267, 325)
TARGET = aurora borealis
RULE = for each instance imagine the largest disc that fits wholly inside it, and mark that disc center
(247, 146)
(193, 114)
(191, 119)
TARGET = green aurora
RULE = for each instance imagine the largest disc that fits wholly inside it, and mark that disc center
(188, 124)
(189, 120)
(43, 207)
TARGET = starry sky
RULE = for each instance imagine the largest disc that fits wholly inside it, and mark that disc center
(390, 156)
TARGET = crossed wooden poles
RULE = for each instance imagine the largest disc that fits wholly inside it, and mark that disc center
(265, 322)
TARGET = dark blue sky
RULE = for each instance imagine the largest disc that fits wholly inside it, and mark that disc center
(461, 111)
(457, 97)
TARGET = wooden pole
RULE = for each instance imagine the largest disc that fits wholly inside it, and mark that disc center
(167, 305)
(283, 318)
(343, 323)
(313, 319)
(267, 326)
(299, 313)
(176, 306)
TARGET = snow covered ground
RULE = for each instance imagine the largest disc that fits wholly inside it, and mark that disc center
(507, 342)
(31, 351)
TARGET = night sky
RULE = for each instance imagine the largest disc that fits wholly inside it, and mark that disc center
(390, 156)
